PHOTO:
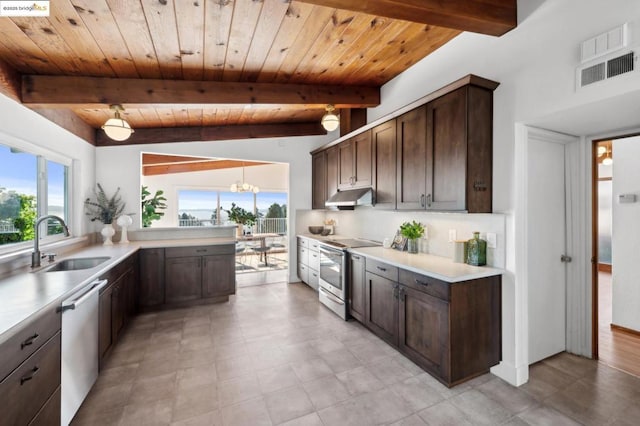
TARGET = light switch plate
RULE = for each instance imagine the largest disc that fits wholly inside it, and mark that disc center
(492, 240)
(452, 235)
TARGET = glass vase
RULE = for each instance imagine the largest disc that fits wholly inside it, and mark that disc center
(476, 251)
(412, 245)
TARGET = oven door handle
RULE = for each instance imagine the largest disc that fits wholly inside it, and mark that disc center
(330, 296)
(331, 251)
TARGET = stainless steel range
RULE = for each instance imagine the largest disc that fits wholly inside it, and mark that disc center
(334, 272)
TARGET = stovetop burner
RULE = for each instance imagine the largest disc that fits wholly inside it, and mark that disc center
(351, 243)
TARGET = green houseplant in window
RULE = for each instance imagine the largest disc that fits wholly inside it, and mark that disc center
(241, 217)
(412, 231)
(151, 206)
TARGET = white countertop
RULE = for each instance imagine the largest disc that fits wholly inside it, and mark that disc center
(27, 292)
(438, 267)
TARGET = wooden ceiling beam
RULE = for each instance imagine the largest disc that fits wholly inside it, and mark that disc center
(199, 166)
(213, 133)
(492, 17)
(149, 159)
(97, 92)
(10, 81)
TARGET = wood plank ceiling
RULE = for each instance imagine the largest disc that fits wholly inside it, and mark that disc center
(203, 64)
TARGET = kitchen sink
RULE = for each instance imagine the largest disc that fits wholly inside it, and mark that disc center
(76, 264)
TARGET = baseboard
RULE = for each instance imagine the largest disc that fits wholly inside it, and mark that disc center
(511, 374)
(625, 330)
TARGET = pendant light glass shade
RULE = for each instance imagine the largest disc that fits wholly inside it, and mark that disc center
(243, 186)
(330, 121)
(117, 128)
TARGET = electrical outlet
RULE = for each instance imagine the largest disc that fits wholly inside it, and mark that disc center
(452, 235)
(492, 240)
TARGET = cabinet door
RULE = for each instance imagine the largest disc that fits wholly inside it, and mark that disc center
(381, 307)
(362, 160)
(346, 156)
(424, 330)
(332, 170)
(218, 276)
(183, 277)
(319, 180)
(118, 306)
(356, 292)
(447, 151)
(412, 159)
(384, 160)
(151, 282)
(105, 323)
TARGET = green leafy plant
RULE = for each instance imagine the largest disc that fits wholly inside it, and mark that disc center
(105, 209)
(412, 230)
(151, 206)
(240, 215)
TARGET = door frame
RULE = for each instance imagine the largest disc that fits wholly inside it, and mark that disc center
(594, 232)
(524, 136)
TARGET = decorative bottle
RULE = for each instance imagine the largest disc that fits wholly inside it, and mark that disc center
(476, 251)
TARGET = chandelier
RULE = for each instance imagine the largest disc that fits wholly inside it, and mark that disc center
(243, 186)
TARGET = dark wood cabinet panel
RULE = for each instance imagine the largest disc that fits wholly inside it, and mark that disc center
(447, 151)
(105, 323)
(49, 414)
(381, 307)
(384, 164)
(356, 291)
(183, 279)
(151, 282)
(354, 162)
(412, 159)
(346, 156)
(332, 155)
(319, 180)
(424, 330)
(218, 276)
(479, 150)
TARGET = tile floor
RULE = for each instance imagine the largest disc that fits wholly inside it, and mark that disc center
(274, 356)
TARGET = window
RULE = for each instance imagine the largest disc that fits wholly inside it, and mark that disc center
(31, 186)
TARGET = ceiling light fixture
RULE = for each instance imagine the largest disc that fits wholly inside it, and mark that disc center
(117, 128)
(330, 121)
(608, 159)
(243, 186)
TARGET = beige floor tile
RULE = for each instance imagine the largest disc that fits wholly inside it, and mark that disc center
(412, 420)
(122, 375)
(513, 399)
(288, 404)
(416, 393)
(444, 414)
(359, 381)
(195, 401)
(153, 389)
(87, 416)
(248, 413)
(479, 408)
(228, 368)
(311, 369)
(107, 399)
(309, 420)
(273, 379)
(196, 358)
(341, 360)
(326, 391)
(155, 413)
(389, 371)
(546, 416)
(238, 389)
(212, 418)
(196, 376)
(379, 407)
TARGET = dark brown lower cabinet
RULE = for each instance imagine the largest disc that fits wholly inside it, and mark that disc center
(451, 330)
(382, 307)
(151, 283)
(183, 279)
(218, 276)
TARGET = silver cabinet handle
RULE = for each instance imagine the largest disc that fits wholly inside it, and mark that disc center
(422, 200)
(93, 287)
(429, 200)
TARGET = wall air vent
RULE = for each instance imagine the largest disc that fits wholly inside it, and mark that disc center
(607, 68)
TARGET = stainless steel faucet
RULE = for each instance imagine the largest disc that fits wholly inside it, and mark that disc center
(36, 255)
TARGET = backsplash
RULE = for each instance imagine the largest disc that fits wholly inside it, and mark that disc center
(379, 224)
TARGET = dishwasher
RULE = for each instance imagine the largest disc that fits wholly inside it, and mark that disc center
(79, 347)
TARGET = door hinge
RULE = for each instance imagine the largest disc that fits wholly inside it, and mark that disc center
(564, 258)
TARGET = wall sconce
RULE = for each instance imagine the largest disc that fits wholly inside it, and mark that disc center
(330, 120)
(117, 128)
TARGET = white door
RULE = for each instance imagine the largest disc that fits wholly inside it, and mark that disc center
(546, 243)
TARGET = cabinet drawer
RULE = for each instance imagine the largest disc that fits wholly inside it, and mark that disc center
(303, 255)
(314, 245)
(50, 414)
(426, 284)
(314, 260)
(382, 269)
(303, 242)
(27, 340)
(199, 250)
(314, 279)
(303, 273)
(29, 387)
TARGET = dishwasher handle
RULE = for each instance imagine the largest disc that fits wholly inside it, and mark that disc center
(73, 303)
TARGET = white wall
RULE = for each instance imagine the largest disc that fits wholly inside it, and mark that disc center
(20, 125)
(626, 234)
(268, 177)
(120, 167)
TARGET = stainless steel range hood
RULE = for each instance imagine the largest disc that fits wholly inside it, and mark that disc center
(347, 200)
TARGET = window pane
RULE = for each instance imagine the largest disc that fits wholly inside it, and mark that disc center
(272, 209)
(197, 208)
(18, 189)
(56, 195)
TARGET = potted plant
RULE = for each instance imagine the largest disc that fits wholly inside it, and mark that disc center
(151, 206)
(106, 210)
(412, 231)
(241, 217)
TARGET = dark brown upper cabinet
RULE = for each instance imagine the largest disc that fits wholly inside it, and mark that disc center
(384, 164)
(319, 180)
(354, 159)
(333, 155)
(411, 159)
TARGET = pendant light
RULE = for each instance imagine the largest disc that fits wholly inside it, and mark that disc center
(330, 121)
(608, 159)
(117, 128)
(244, 186)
